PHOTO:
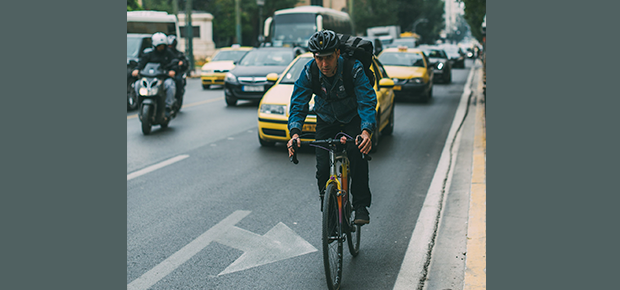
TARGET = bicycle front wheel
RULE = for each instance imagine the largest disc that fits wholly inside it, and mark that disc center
(332, 239)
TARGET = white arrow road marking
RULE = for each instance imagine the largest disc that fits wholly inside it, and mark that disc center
(155, 167)
(278, 244)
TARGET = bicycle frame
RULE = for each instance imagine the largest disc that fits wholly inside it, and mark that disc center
(339, 160)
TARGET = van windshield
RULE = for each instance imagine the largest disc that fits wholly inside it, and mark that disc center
(133, 46)
(144, 27)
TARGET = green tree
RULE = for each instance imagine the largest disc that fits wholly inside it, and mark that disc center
(371, 13)
(409, 11)
(159, 5)
(475, 10)
(133, 5)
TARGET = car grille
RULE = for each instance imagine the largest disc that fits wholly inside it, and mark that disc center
(221, 70)
(252, 80)
(273, 132)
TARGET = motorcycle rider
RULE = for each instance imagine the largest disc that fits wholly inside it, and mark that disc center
(165, 58)
(183, 64)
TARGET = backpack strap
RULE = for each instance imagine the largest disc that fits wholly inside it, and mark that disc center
(314, 73)
(347, 76)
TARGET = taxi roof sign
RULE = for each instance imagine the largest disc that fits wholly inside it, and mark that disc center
(402, 48)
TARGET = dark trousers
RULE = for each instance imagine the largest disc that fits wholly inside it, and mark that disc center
(359, 167)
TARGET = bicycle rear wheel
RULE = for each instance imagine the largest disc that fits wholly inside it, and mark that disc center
(332, 239)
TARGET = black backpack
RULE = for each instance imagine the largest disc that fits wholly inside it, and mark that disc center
(351, 48)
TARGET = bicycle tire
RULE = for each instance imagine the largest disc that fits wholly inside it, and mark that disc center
(353, 231)
(332, 239)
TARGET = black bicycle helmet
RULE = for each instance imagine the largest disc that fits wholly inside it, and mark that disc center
(323, 43)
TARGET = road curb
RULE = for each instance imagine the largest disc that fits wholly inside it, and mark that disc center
(475, 265)
(415, 264)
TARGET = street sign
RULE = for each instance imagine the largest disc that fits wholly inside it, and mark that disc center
(277, 244)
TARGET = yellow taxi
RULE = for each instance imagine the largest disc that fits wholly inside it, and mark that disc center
(274, 107)
(215, 70)
(411, 71)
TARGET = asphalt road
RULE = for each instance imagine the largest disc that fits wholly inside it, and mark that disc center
(230, 214)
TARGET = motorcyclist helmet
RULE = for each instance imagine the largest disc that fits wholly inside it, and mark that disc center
(172, 40)
(323, 43)
(158, 39)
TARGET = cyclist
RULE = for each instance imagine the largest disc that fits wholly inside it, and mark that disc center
(336, 112)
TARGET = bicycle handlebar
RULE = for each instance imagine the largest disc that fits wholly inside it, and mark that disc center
(328, 142)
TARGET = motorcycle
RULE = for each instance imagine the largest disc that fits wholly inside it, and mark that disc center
(152, 96)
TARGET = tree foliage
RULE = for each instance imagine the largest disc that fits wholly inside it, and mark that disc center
(475, 10)
(133, 5)
(410, 11)
(371, 13)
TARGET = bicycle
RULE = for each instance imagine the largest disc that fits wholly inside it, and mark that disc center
(337, 224)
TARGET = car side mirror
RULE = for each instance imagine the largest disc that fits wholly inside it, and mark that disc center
(386, 83)
(272, 77)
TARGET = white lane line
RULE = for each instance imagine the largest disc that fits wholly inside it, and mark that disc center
(159, 165)
(412, 268)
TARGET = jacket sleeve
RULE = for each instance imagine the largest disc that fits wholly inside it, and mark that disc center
(300, 99)
(366, 98)
(143, 61)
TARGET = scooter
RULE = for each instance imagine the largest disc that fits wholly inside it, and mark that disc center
(152, 97)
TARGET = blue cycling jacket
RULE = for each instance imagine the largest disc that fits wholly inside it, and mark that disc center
(333, 104)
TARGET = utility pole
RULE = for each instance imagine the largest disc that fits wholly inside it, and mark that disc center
(350, 10)
(260, 4)
(189, 48)
(238, 12)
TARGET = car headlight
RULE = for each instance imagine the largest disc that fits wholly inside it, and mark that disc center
(273, 109)
(440, 65)
(230, 78)
(416, 80)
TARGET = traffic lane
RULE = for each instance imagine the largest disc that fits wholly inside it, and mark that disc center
(400, 186)
(194, 126)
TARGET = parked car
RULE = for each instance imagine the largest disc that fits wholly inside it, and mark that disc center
(442, 67)
(274, 107)
(215, 70)
(248, 80)
(136, 44)
(411, 71)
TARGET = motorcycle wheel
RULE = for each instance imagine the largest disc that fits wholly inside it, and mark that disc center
(132, 98)
(146, 119)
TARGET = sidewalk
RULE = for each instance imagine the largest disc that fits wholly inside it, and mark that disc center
(447, 249)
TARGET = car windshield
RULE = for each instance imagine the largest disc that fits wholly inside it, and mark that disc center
(291, 75)
(435, 53)
(267, 57)
(133, 46)
(410, 43)
(401, 59)
(233, 55)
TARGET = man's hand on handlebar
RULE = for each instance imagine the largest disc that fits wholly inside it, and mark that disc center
(289, 144)
(171, 73)
(134, 73)
(365, 145)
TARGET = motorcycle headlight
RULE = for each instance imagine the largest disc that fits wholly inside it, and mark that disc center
(230, 78)
(273, 109)
(144, 92)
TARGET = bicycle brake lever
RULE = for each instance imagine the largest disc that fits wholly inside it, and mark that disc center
(294, 157)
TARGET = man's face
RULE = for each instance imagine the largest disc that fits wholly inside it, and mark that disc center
(327, 64)
(161, 47)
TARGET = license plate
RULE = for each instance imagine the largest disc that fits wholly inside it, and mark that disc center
(253, 88)
(309, 127)
(397, 88)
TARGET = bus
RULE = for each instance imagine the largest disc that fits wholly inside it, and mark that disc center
(294, 26)
(149, 22)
